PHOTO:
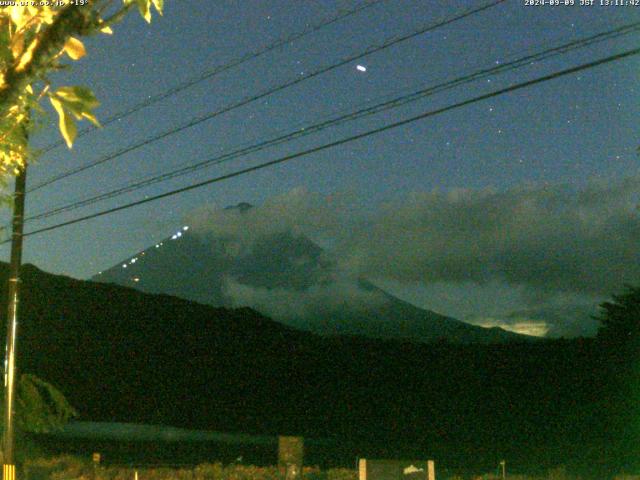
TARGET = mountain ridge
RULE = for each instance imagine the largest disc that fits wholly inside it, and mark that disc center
(278, 272)
(121, 355)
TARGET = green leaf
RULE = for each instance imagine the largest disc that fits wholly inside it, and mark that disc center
(66, 124)
(92, 118)
(81, 95)
(159, 4)
(74, 48)
(78, 102)
(145, 11)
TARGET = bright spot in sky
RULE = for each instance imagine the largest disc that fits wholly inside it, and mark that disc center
(124, 265)
(179, 234)
(173, 237)
(361, 68)
(157, 245)
(185, 228)
(136, 279)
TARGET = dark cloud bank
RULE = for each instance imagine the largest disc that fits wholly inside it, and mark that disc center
(556, 250)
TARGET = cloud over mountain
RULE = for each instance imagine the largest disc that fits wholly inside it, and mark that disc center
(562, 249)
(547, 238)
(324, 299)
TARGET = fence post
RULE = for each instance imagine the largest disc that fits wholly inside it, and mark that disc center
(291, 456)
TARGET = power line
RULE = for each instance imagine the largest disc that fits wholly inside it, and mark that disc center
(342, 141)
(270, 91)
(213, 71)
(341, 119)
(314, 128)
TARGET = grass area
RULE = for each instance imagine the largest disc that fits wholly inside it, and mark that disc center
(73, 468)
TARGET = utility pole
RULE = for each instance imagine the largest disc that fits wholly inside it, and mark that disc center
(9, 467)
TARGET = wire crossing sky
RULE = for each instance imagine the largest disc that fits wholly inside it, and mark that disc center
(422, 116)
(245, 101)
(212, 72)
(312, 128)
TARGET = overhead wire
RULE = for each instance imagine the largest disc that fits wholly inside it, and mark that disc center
(200, 119)
(377, 108)
(216, 70)
(430, 113)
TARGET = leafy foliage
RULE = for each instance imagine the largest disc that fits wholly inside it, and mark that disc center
(41, 407)
(620, 318)
(34, 40)
(73, 103)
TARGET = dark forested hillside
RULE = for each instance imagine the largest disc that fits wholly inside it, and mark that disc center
(123, 355)
(292, 280)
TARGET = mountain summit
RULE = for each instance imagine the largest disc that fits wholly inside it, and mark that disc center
(286, 276)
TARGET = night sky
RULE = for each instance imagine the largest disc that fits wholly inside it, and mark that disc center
(518, 211)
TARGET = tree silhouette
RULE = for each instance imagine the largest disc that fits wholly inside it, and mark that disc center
(41, 408)
(619, 336)
(620, 320)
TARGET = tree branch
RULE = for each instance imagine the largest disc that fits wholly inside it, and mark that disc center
(72, 20)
